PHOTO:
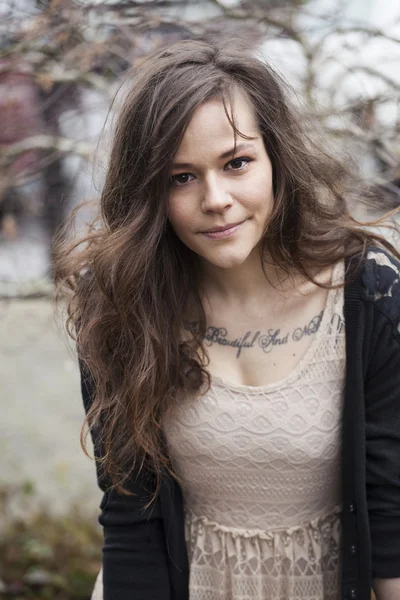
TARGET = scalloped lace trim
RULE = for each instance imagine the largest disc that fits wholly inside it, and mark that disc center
(298, 563)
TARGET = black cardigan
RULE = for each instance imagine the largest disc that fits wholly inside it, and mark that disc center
(144, 553)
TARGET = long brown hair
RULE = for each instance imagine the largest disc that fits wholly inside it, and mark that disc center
(129, 285)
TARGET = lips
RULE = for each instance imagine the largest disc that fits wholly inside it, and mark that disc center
(219, 233)
(223, 227)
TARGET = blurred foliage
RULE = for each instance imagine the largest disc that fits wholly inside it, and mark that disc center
(45, 556)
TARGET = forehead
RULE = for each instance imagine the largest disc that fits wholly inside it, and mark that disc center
(210, 126)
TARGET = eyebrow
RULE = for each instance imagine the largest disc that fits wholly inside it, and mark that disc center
(229, 153)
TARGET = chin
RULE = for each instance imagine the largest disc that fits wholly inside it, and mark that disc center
(226, 262)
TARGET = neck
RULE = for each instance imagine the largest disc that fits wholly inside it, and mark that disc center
(245, 284)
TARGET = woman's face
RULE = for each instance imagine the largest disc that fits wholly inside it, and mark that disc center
(219, 203)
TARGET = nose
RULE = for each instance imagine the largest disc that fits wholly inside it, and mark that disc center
(216, 197)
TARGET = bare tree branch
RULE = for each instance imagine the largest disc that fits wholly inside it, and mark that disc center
(74, 45)
(46, 142)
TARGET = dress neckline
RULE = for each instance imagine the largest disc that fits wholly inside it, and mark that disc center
(310, 354)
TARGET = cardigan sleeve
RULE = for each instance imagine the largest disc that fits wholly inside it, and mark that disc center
(134, 551)
(382, 404)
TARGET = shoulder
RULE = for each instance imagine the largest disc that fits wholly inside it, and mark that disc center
(381, 274)
(380, 280)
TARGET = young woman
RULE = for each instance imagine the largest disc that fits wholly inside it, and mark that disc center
(239, 343)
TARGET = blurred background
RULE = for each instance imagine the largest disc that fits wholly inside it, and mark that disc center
(61, 62)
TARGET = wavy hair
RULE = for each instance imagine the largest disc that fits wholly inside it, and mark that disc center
(129, 281)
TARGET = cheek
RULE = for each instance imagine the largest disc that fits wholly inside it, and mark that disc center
(260, 202)
(266, 199)
(180, 217)
(258, 192)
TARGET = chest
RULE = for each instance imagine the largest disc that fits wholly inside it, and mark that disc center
(255, 352)
(276, 445)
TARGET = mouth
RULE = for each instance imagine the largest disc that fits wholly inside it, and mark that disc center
(224, 231)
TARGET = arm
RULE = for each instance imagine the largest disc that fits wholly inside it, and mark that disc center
(134, 551)
(382, 400)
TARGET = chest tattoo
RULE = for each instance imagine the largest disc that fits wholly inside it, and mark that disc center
(265, 341)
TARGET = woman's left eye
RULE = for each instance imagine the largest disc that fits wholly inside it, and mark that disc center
(236, 164)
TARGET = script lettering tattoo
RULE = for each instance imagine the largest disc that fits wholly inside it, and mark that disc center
(309, 329)
(337, 323)
(219, 335)
(273, 338)
(266, 341)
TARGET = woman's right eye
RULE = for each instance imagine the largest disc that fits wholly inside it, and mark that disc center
(181, 179)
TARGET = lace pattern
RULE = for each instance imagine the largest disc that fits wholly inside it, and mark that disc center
(387, 278)
(382, 282)
(97, 593)
(296, 563)
(260, 468)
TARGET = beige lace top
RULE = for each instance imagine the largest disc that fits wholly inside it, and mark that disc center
(261, 477)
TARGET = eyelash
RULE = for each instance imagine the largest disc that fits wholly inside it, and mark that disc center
(245, 159)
